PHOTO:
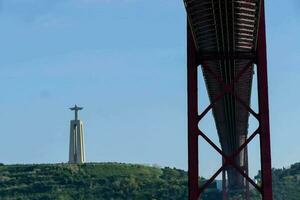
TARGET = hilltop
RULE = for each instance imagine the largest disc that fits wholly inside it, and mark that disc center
(116, 181)
(91, 181)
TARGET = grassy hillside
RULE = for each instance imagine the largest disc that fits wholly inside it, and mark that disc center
(93, 181)
(113, 181)
(88, 181)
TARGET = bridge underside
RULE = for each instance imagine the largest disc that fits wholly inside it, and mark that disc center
(226, 37)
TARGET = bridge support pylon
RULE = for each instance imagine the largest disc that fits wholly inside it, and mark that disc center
(260, 60)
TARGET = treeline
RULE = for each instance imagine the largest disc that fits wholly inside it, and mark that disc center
(115, 181)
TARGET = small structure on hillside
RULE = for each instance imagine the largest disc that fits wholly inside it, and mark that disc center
(76, 149)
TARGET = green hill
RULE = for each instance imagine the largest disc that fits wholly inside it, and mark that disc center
(114, 181)
(286, 183)
(92, 181)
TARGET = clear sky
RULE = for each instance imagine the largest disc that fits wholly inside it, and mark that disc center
(124, 61)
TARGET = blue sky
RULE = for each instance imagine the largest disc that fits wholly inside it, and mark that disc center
(124, 62)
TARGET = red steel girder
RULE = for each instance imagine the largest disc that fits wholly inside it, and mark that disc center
(263, 104)
(192, 77)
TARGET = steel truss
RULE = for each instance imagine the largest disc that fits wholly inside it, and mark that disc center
(259, 58)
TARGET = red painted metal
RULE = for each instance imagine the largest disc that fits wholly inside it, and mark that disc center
(192, 63)
(263, 104)
(260, 59)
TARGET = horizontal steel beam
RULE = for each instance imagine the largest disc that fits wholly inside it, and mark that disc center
(208, 56)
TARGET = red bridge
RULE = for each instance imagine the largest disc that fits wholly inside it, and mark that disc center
(227, 39)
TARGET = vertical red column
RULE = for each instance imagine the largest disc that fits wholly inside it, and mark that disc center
(263, 104)
(192, 88)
